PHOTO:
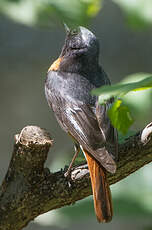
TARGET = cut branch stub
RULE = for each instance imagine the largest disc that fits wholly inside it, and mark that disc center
(35, 143)
(26, 169)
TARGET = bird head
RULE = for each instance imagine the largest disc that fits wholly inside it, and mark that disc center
(80, 42)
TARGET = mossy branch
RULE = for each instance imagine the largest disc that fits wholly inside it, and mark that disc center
(29, 189)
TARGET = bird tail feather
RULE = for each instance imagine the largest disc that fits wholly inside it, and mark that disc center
(101, 190)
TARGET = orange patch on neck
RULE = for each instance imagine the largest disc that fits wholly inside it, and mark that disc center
(55, 65)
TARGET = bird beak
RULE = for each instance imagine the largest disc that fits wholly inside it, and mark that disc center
(67, 30)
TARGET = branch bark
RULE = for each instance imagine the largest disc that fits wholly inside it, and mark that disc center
(29, 189)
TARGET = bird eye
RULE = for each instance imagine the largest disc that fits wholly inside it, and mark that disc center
(74, 32)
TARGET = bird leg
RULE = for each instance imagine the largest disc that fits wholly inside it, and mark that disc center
(77, 150)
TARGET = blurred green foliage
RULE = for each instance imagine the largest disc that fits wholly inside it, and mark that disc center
(73, 12)
(137, 12)
(47, 12)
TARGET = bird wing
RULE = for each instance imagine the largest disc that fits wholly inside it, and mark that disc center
(107, 129)
(82, 124)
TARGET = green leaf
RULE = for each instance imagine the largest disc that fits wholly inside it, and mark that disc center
(122, 88)
(129, 91)
(120, 116)
(139, 102)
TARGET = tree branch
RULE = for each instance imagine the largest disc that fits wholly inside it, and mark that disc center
(29, 189)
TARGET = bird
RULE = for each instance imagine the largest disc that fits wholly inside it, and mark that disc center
(68, 85)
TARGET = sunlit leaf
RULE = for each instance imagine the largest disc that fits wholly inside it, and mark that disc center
(139, 102)
(122, 88)
(120, 116)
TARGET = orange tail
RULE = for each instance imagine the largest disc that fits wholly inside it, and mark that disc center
(100, 189)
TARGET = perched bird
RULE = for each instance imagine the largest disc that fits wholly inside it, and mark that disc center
(68, 86)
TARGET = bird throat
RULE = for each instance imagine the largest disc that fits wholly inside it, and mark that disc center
(55, 65)
(74, 65)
